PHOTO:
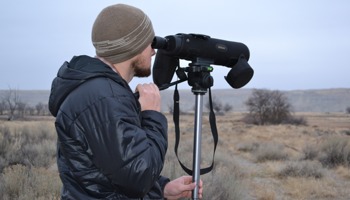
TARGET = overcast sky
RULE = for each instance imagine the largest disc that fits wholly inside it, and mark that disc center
(299, 44)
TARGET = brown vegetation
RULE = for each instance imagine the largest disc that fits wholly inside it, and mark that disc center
(270, 162)
(251, 162)
(27, 160)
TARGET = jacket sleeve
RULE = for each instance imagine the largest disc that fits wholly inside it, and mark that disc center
(127, 146)
(162, 182)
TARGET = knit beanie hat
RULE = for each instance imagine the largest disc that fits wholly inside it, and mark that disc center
(120, 32)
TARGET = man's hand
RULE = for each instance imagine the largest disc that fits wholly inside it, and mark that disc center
(149, 96)
(182, 188)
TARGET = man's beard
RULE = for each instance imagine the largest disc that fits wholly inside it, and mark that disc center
(139, 68)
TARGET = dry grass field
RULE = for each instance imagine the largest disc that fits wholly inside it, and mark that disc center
(277, 162)
(269, 162)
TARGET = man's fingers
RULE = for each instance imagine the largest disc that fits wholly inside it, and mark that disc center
(188, 186)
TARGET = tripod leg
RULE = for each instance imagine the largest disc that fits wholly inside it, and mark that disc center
(197, 144)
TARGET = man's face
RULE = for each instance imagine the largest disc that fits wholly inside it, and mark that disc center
(142, 64)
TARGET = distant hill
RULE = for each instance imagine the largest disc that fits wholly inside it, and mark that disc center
(31, 97)
(322, 100)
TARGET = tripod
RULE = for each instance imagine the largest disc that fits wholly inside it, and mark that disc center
(200, 80)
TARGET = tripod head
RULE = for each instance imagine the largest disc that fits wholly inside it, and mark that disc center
(198, 76)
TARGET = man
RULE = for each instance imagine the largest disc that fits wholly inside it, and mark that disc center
(112, 145)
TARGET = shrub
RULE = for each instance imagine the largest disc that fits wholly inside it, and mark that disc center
(270, 151)
(247, 147)
(302, 169)
(268, 107)
(21, 182)
(348, 110)
(310, 152)
(5, 140)
(39, 154)
(225, 183)
(3, 164)
(27, 150)
(335, 151)
(295, 120)
(346, 132)
(27, 145)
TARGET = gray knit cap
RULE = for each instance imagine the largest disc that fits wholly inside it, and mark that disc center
(120, 32)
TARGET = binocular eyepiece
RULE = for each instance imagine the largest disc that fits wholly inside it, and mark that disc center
(159, 43)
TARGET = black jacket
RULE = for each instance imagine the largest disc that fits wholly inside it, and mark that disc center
(107, 148)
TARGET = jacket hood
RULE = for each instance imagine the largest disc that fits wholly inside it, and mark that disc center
(74, 73)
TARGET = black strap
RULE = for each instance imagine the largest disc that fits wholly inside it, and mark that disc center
(212, 121)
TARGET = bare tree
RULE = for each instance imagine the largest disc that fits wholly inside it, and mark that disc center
(268, 107)
(217, 105)
(21, 107)
(348, 110)
(11, 98)
(227, 107)
(171, 108)
(46, 110)
(40, 108)
(31, 110)
(3, 107)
